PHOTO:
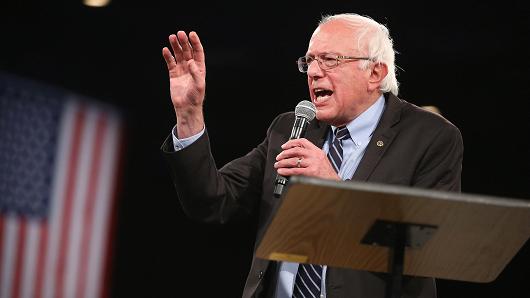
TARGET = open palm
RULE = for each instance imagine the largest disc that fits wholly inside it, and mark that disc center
(187, 71)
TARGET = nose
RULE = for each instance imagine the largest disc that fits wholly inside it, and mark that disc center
(314, 70)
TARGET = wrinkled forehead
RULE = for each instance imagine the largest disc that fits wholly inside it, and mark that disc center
(334, 37)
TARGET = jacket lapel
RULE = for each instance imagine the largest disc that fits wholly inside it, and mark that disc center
(381, 139)
(316, 133)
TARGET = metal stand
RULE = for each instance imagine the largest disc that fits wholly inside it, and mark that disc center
(396, 236)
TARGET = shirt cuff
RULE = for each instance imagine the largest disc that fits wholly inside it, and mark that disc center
(180, 144)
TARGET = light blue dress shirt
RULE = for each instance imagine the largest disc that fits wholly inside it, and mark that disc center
(361, 130)
(180, 144)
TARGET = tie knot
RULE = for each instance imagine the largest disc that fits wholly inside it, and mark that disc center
(342, 133)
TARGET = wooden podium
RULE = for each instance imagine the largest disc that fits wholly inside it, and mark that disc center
(397, 230)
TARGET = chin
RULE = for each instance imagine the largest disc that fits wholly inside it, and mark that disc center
(323, 116)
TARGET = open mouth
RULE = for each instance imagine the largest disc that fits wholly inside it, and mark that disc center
(321, 94)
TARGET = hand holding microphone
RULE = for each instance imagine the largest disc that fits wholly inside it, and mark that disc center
(304, 112)
(300, 156)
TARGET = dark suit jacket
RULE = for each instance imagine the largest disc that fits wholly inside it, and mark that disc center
(420, 149)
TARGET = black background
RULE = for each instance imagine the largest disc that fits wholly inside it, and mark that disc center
(469, 59)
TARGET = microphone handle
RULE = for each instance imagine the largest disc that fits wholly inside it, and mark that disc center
(299, 128)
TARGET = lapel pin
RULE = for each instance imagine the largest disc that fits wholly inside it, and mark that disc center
(380, 143)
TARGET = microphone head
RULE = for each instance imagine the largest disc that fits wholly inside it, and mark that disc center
(305, 109)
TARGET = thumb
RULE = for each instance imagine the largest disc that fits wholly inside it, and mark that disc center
(195, 71)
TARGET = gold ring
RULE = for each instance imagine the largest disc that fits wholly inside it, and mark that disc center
(298, 162)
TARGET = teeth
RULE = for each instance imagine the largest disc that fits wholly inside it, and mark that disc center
(321, 98)
(321, 94)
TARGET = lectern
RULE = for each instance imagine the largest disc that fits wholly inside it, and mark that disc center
(396, 230)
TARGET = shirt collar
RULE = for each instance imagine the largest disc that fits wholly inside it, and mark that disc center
(362, 127)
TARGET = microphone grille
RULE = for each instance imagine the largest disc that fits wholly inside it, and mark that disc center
(305, 109)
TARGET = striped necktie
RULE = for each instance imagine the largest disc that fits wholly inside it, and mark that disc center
(335, 150)
(309, 277)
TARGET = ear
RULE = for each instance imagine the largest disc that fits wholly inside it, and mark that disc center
(379, 72)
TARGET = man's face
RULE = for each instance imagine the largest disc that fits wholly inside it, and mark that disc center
(340, 94)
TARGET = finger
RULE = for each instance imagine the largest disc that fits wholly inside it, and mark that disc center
(170, 60)
(291, 152)
(302, 142)
(291, 171)
(198, 51)
(177, 50)
(195, 71)
(185, 45)
(291, 144)
(293, 162)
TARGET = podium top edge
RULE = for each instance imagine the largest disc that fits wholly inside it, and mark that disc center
(408, 191)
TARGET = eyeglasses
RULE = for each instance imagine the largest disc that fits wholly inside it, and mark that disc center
(325, 61)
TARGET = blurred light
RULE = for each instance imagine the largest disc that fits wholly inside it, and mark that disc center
(96, 3)
(433, 109)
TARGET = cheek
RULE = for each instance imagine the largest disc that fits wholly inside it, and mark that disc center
(348, 88)
(309, 82)
(342, 91)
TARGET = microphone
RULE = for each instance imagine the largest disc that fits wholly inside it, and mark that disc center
(305, 111)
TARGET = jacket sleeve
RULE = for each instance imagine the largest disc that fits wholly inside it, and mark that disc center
(211, 195)
(441, 166)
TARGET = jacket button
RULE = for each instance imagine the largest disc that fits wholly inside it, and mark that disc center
(260, 275)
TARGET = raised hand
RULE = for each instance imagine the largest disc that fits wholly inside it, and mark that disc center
(187, 81)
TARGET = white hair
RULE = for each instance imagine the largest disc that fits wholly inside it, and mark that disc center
(373, 39)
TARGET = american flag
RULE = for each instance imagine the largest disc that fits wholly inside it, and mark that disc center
(59, 162)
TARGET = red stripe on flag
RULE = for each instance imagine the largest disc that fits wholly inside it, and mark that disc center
(2, 234)
(64, 237)
(19, 257)
(116, 187)
(89, 206)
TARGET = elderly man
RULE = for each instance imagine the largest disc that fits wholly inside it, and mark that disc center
(363, 132)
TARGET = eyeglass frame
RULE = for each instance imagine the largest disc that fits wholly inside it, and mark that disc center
(318, 58)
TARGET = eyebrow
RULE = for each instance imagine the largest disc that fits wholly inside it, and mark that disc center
(324, 53)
